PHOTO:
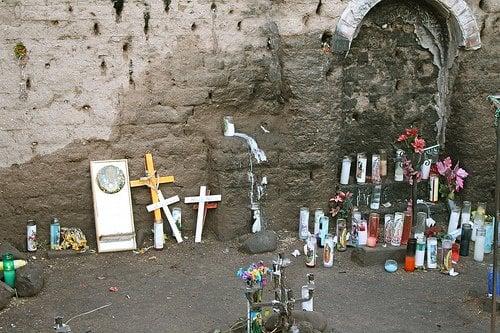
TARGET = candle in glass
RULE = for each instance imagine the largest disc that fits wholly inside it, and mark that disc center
(426, 169)
(406, 228)
(346, 170)
(388, 226)
(376, 169)
(488, 239)
(466, 212)
(434, 188)
(432, 252)
(455, 253)
(376, 196)
(420, 252)
(317, 215)
(341, 235)
(398, 168)
(373, 229)
(454, 218)
(478, 221)
(420, 224)
(324, 222)
(410, 255)
(383, 162)
(361, 168)
(362, 233)
(328, 251)
(310, 251)
(446, 255)
(465, 239)
(304, 223)
(9, 270)
(479, 244)
(355, 221)
(397, 230)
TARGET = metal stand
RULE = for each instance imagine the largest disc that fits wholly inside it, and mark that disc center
(496, 101)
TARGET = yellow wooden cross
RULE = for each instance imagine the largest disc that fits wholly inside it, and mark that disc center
(152, 180)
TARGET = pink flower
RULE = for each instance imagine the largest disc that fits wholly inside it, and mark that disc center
(402, 137)
(459, 184)
(461, 172)
(418, 145)
(412, 131)
(444, 166)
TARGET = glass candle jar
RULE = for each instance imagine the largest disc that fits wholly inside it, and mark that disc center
(406, 228)
(328, 251)
(346, 170)
(376, 169)
(454, 219)
(397, 230)
(398, 167)
(479, 244)
(446, 259)
(466, 209)
(383, 162)
(420, 252)
(304, 223)
(420, 224)
(388, 227)
(361, 168)
(310, 251)
(465, 239)
(341, 235)
(432, 253)
(410, 255)
(373, 223)
(317, 215)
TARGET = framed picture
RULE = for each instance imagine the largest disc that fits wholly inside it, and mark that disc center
(114, 220)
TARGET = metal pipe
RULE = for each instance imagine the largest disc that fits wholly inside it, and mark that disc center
(496, 102)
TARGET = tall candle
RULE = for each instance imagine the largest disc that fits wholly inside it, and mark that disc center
(488, 239)
(478, 222)
(388, 227)
(479, 245)
(346, 170)
(373, 229)
(383, 162)
(406, 228)
(362, 233)
(376, 169)
(466, 212)
(431, 252)
(454, 218)
(304, 223)
(434, 188)
(398, 168)
(355, 221)
(376, 196)
(324, 223)
(317, 215)
(361, 168)
(426, 168)
(420, 252)
(397, 230)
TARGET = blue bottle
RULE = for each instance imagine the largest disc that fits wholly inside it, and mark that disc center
(490, 281)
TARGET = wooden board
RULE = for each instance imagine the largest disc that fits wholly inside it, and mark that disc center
(114, 221)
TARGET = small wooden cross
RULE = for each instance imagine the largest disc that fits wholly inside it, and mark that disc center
(209, 205)
(201, 200)
(163, 203)
(152, 180)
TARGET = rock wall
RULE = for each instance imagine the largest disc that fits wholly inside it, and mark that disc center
(113, 79)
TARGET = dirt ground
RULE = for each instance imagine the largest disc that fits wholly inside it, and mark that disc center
(193, 288)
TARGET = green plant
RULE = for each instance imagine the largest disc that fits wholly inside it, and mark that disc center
(20, 51)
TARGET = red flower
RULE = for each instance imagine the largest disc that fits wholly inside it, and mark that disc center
(402, 137)
(418, 145)
(412, 131)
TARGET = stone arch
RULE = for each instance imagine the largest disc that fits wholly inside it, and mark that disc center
(459, 16)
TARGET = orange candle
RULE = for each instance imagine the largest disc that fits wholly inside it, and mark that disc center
(410, 255)
(406, 228)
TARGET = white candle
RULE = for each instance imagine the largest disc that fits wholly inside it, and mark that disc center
(346, 170)
(432, 252)
(420, 252)
(397, 230)
(434, 188)
(317, 215)
(159, 237)
(454, 218)
(479, 245)
(426, 168)
(376, 168)
(398, 168)
(362, 232)
(304, 223)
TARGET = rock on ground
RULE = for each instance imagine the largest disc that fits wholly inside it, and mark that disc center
(6, 247)
(6, 293)
(260, 242)
(307, 321)
(29, 280)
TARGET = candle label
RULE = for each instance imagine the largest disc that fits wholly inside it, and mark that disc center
(328, 252)
(388, 227)
(397, 230)
(376, 169)
(310, 251)
(31, 236)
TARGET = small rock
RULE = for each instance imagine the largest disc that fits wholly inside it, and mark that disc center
(6, 247)
(6, 293)
(307, 321)
(29, 280)
(260, 242)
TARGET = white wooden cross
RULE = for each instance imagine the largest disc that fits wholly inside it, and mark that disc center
(201, 200)
(163, 203)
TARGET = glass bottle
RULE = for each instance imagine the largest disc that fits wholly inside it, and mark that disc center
(55, 234)
(398, 229)
(466, 209)
(454, 219)
(376, 169)
(479, 244)
(388, 227)
(373, 223)
(383, 162)
(411, 249)
(304, 223)
(341, 235)
(398, 167)
(406, 228)
(9, 271)
(328, 251)
(346, 170)
(317, 215)
(420, 252)
(465, 239)
(361, 168)
(420, 224)
(431, 252)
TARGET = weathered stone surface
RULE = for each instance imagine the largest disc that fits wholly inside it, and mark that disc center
(94, 88)
(260, 242)
(370, 256)
(6, 247)
(29, 280)
(6, 294)
(307, 321)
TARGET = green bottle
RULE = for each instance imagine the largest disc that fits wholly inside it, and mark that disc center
(9, 272)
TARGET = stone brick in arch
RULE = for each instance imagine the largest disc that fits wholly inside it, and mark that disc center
(465, 24)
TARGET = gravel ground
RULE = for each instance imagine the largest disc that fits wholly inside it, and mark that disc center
(192, 288)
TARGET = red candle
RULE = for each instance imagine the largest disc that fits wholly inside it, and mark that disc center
(373, 229)
(406, 229)
(455, 255)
